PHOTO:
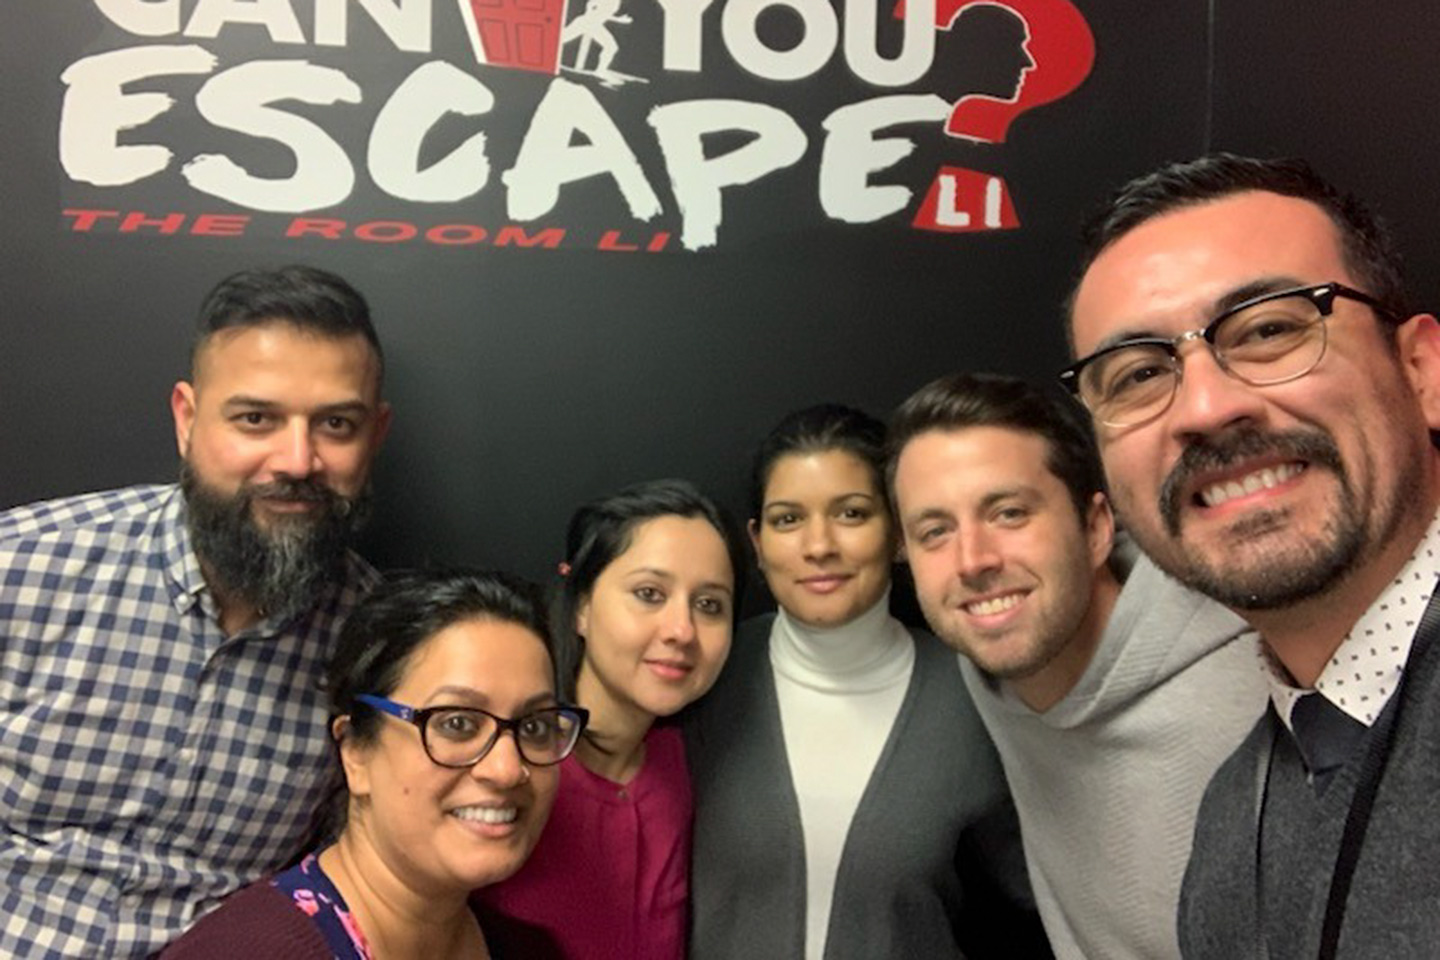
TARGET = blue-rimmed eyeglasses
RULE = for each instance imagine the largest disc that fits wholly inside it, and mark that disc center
(1269, 339)
(462, 736)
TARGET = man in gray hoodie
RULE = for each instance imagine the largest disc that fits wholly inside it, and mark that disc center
(1111, 703)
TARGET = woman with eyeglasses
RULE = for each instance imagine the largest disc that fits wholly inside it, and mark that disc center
(449, 736)
(642, 621)
(848, 802)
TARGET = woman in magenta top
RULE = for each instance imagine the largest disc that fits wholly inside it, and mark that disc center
(642, 622)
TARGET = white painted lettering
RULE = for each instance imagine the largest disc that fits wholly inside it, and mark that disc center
(96, 110)
(548, 159)
(683, 33)
(275, 16)
(822, 32)
(994, 193)
(917, 51)
(406, 23)
(144, 18)
(947, 204)
(697, 180)
(852, 154)
(239, 99)
(432, 91)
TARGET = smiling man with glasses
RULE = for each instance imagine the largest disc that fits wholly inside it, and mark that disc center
(1275, 337)
(1263, 402)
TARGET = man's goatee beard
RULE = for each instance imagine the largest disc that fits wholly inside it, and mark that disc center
(279, 568)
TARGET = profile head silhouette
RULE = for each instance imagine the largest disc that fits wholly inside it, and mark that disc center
(997, 42)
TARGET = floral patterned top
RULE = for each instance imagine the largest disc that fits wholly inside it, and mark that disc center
(312, 893)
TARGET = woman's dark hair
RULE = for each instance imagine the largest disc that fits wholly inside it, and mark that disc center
(602, 530)
(396, 618)
(406, 610)
(817, 429)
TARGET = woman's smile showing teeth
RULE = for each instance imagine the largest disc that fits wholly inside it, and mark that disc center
(488, 821)
(485, 814)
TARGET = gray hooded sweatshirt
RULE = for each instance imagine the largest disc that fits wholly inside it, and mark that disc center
(1108, 781)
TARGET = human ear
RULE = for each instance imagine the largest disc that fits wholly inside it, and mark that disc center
(1100, 529)
(1418, 340)
(582, 618)
(752, 527)
(354, 758)
(182, 410)
(383, 415)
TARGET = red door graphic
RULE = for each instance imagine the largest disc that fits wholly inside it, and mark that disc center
(518, 34)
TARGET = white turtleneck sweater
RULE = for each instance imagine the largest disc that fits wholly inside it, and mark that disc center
(840, 690)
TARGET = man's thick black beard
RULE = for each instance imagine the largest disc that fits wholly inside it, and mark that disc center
(280, 570)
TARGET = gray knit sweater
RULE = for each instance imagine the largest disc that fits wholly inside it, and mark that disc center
(931, 867)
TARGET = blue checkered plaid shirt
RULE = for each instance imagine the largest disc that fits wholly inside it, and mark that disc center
(148, 763)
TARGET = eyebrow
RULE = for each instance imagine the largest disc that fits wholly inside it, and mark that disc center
(243, 401)
(929, 513)
(475, 696)
(1019, 492)
(669, 577)
(651, 571)
(794, 504)
(1226, 301)
(1253, 289)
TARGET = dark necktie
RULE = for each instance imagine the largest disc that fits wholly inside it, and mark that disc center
(1327, 736)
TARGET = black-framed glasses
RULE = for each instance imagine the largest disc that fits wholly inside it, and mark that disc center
(462, 736)
(1269, 339)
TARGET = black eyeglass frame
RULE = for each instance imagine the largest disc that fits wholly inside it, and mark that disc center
(420, 718)
(1321, 295)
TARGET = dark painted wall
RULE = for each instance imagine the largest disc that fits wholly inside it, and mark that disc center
(526, 380)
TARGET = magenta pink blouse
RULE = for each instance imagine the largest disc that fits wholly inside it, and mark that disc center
(610, 876)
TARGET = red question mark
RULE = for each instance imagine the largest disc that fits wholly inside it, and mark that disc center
(1059, 44)
(1060, 50)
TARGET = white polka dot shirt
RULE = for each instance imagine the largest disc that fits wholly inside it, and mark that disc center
(1365, 669)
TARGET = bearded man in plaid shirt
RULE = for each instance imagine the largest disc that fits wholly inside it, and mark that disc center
(162, 732)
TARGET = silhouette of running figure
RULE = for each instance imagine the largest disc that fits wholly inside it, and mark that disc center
(591, 28)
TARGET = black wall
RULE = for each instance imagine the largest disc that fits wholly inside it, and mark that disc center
(527, 380)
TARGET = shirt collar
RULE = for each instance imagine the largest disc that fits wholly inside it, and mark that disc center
(1366, 667)
(182, 566)
(188, 587)
(869, 653)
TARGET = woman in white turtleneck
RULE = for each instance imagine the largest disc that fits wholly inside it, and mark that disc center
(844, 787)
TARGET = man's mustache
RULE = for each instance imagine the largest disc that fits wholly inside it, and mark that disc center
(1225, 450)
(304, 490)
(290, 490)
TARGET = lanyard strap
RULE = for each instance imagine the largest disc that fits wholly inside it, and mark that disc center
(1357, 820)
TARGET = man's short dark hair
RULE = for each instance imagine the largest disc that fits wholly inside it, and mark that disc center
(314, 300)
(965, 400)
(1365, 242)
